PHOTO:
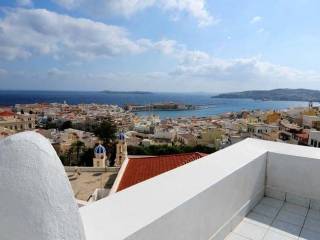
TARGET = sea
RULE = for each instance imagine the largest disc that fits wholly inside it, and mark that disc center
(207, 106)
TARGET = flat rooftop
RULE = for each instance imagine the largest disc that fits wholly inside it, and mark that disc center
(83, 185)
(274, 219)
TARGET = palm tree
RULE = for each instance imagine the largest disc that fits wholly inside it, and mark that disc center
(77, 147)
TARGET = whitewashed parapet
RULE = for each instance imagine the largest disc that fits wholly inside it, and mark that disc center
(206, 199)
(36, 197)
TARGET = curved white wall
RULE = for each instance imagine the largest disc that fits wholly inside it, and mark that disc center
(36, 201)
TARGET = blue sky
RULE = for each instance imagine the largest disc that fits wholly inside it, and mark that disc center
(159, 45)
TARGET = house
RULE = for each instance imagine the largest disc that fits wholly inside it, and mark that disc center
(136, 170)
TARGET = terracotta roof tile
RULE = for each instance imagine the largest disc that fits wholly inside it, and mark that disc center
(6, 114)
(141, 169)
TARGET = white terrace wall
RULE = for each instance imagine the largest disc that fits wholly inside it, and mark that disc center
(294, 178)
(201, 200)
(206, 199)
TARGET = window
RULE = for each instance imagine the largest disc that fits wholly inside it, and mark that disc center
(311, 142)
(315, 143)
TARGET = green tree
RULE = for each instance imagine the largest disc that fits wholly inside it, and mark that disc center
(106, 131)
(165, 150)
(65, 125)
(77, 148)
(86, 158)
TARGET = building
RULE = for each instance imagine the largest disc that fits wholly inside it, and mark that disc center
(310, 121)
(17, 122)
(5, 132)
(165, 133)
(121, 152)
(137, 170)
(187, 139)
(260, 129)
(254, 189)
(100, 157)
(288, 132)
(314, 138)
(273, 118)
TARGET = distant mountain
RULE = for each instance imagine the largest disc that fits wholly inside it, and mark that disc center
(276, 95)
(127, 92)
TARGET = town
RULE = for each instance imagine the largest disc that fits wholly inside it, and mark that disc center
(94, 140)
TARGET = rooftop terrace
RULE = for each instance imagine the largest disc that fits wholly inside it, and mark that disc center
(251, 190)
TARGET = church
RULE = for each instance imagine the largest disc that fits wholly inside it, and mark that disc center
(101, 160)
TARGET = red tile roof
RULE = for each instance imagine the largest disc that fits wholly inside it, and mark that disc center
(141, 169)
(6, 114)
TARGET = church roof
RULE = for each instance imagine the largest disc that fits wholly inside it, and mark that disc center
(140, 169)
(100, 149)
(122, 136)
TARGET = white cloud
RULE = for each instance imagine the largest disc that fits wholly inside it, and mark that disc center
(27, 32)
(196, 71)
(56, 72)
(256, 19)
(24, 3)
(24, 32)
(243, 73)
(195, 8)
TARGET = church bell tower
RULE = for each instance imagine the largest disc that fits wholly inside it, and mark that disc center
(100, 157)
(121, 153)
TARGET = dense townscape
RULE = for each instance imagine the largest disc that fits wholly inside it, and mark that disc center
(93, 141)
(65, 125)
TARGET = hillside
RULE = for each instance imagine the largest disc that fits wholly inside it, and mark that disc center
(276, 95)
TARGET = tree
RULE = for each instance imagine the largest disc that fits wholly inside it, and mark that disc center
(164, 149)
(106, 131)
(86, 158)
(77, 148)
(65, 125)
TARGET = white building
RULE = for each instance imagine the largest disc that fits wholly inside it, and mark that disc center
(143, 127)
(314, 138)
(165, 133)
(258, 129)
(307, 121)
(251, 190)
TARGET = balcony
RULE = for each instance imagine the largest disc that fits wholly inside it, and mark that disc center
(251, 190)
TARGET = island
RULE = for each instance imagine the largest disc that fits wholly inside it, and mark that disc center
(126, 92)
(284, 94)
(170, 106)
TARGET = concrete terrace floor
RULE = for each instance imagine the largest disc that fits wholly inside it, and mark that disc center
(83, 185)
(273, 219)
